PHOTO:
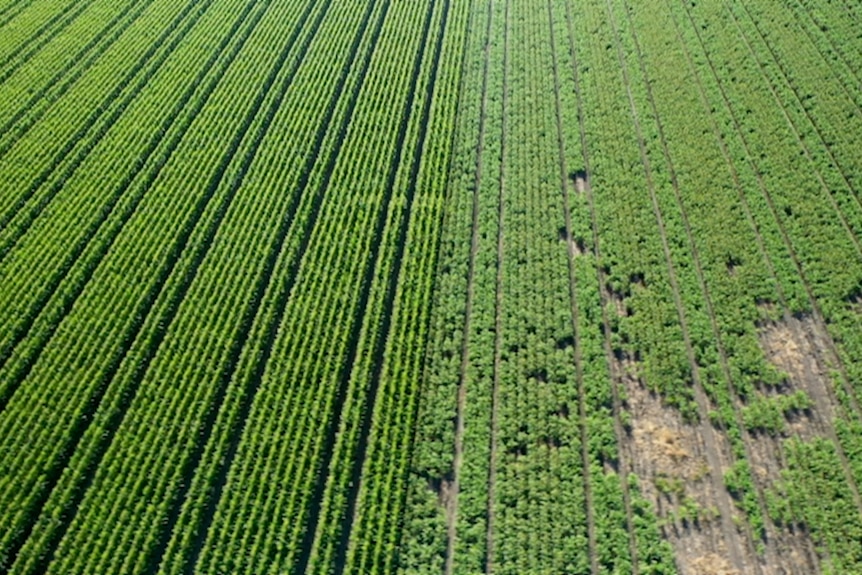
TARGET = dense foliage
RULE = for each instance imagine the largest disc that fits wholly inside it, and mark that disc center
(434, 286)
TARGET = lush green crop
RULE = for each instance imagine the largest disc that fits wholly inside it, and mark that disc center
(430, 286)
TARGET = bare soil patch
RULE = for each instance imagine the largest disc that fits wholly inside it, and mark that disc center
(579, 180)
(669, 457)
(713, 564)
(796, 346)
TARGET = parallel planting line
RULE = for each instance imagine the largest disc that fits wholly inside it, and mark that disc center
(625, 468)
(414, 433)
(498, 305)
(273, 256)
(765, 256)
(800, 270)
(157, 552)
(160, 148)
(29, 358)
(41, 36)
(116, 417)
(223, 185)
(326, 456)
(310, 358)
(452, 510)
(574, 312)
(325, 174)
(835, 50)
(78, 146)
(15, 7)
(37, 104)
(734, 546)
(806, 113)
(838, 362)
(358, 458)
(704, 289)
(805, 148)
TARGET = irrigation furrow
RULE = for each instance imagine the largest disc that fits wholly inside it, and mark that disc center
(115, 211)
(704, 288)
(574, 313)
(625, 468)
(378, 512)
(452, 510)
(835, 50)
(734, 546)
(835, 357)
(765, 256)
(498, 307)
(805, 148)
(305, 460)
(327, 457)
(148, 352)
(816, 126)
(10, 11)
(394, 274)
(248, 144)
(34, 107)
(252, 310)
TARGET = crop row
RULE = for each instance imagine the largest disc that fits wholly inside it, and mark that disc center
(533, 399)
(307, 380)
(54, 70)
(124, 336)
